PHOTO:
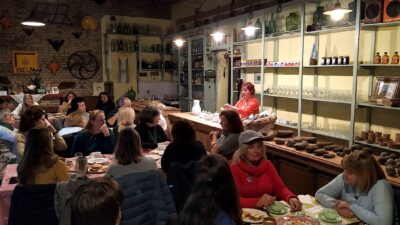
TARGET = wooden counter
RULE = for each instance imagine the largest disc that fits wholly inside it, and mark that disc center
(139, 105)
(305, 173)
(202, 127)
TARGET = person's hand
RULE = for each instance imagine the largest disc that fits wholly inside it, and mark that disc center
(227, 107)
(343, 208)
(213, 135)
(104, 129)
(346, 212)
(295, 204)
(265, 201)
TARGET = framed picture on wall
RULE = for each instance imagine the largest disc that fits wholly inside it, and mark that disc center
(386, 91)
(24, 61)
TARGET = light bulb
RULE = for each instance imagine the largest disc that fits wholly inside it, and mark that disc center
(249, 31)
(218, 36)
(179, 42)
(337, 15)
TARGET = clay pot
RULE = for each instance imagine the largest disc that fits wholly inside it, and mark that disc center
(301, 146)
(384, 154)
(279, 141)
(397, 137)
(386, 137)
(320, 152)
(356, 147)
(284, 133)
(328, 156)
(371, 138)
(364, 135)
(382, 159)
(312, 140)
(378, 134)
(290, 143)
(391, 171)
(323, 144)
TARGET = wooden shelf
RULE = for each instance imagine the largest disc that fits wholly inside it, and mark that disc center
(324, 133)
(248, 67)
(330, 66)
(283, 35)
(377, 25)
(281, 96)
(380, 65)
(378, 146)
(286, 125)
(331, 30)
(326, 100)
(258, 40)
(371, 105)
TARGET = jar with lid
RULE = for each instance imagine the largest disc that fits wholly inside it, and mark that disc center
(323, 61)
(377, 58)
(328, 61)
(395, 58)
(385, 58)
(346, 60)
(335, 60)
(341, 60)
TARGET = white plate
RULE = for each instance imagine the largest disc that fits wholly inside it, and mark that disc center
(155, 157)
(259, 212)
(97, 160)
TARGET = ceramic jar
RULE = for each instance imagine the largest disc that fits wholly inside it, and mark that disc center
(196, 109)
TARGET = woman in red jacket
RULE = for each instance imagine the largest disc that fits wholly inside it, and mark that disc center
(256, 179)
(246, 105)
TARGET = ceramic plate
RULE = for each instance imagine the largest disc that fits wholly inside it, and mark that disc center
(248, 213)
(155, 157)
(299, 220)
(97, 160)
(282, 211)
(322, 217)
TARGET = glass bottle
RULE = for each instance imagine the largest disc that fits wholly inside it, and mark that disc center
(319, 19)
(377, 58)
(272, 24)
(385, 58)
(395, 58)
(258, 24)
(292, 21)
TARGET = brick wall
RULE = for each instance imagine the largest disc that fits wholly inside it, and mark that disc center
(14, 38)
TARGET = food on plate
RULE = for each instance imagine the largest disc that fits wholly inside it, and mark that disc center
(98, 168)
(296, 220)
(251, 215)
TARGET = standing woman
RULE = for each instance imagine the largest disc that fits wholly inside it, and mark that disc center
(149, 129)
(96, 137)
(22, 107)
(361, 190)
(256, 178)
(105, 104)
(129, 156)
(67, 102)
(247, 104)
(40, 165)
(214, 198)
(227, 142)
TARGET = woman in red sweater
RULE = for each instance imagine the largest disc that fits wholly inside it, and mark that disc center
(256, 179)
(247, 104)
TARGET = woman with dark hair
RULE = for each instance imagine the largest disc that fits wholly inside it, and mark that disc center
(227, 141)
(247, 104)
(214, 198)
(22, 107)
(35, 117)
(184, 148)
(256, 178)
(128, 156)
(77, 115)
(96, 137)
(66, 105)
(97, 203)
(361, 190)
(149, 129)
(40, 165)
(104, 103)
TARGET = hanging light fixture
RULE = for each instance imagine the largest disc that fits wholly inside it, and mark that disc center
(218, 35)
(250, 29)
(179, 42)
(337, 12)
(33, 20)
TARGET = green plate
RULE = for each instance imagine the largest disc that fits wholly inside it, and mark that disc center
(284, 210)
(321, 216)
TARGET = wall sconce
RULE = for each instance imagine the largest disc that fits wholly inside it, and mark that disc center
(33, 20)
(337, 12)
(179, 42)
(250, 29)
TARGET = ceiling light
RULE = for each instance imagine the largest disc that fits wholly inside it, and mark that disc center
(217, 36)
(250, 29)
(337, 12)
(179, 42)
(33, 20)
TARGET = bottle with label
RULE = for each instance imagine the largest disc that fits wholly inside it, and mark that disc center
(377, 58)
(395, 58)
(385, 58)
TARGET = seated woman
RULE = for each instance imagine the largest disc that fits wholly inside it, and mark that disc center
(26, 103)
(126, 119)
(77, 115)
(256, 178)
(96, 137)
(128, 155)
(97, 202)
(35, 117)
(213, 192)
(227, 142)
(124, 102)
(247, 104)
(40, 165)
(184, 148)
(150, 132)
(361, 191)
(66, 105)
(105, 104)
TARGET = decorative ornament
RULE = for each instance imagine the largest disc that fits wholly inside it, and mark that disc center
(54, 67)
(77, 34)
(6, 22)
(89, 23)
(28, 31)
(82, 65)
(56, 44)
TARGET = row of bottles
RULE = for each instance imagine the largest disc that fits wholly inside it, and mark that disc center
(124, 45)
(135, 29)
(197, 78)
(158, 48)
(385, 58)
(197, 46)
(184, 51)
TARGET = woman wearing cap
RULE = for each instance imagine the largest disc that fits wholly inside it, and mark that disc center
(256, 179)
(246, 105)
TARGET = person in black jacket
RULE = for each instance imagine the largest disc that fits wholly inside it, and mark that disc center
(184, 147)
(104, 103)
(150, 132)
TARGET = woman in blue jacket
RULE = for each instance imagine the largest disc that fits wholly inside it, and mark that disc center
(361, 191)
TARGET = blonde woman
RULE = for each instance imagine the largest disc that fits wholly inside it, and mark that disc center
(126, 119)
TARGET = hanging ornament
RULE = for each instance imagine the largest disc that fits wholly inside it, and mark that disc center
(28, 31)
(6, 22)
(56, 44)
(89, 23)
(54, 67)
(77, 34)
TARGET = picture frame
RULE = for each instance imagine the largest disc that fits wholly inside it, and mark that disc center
(24, 61)
(54, 90)
(386, 91)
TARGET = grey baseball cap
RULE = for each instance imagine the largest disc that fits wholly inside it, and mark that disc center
(249, 136)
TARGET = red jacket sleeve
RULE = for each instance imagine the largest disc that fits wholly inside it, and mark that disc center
(252, 107)
(280, 189)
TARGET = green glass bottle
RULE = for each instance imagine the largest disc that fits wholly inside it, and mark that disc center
(273, 26)
(292, 21)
